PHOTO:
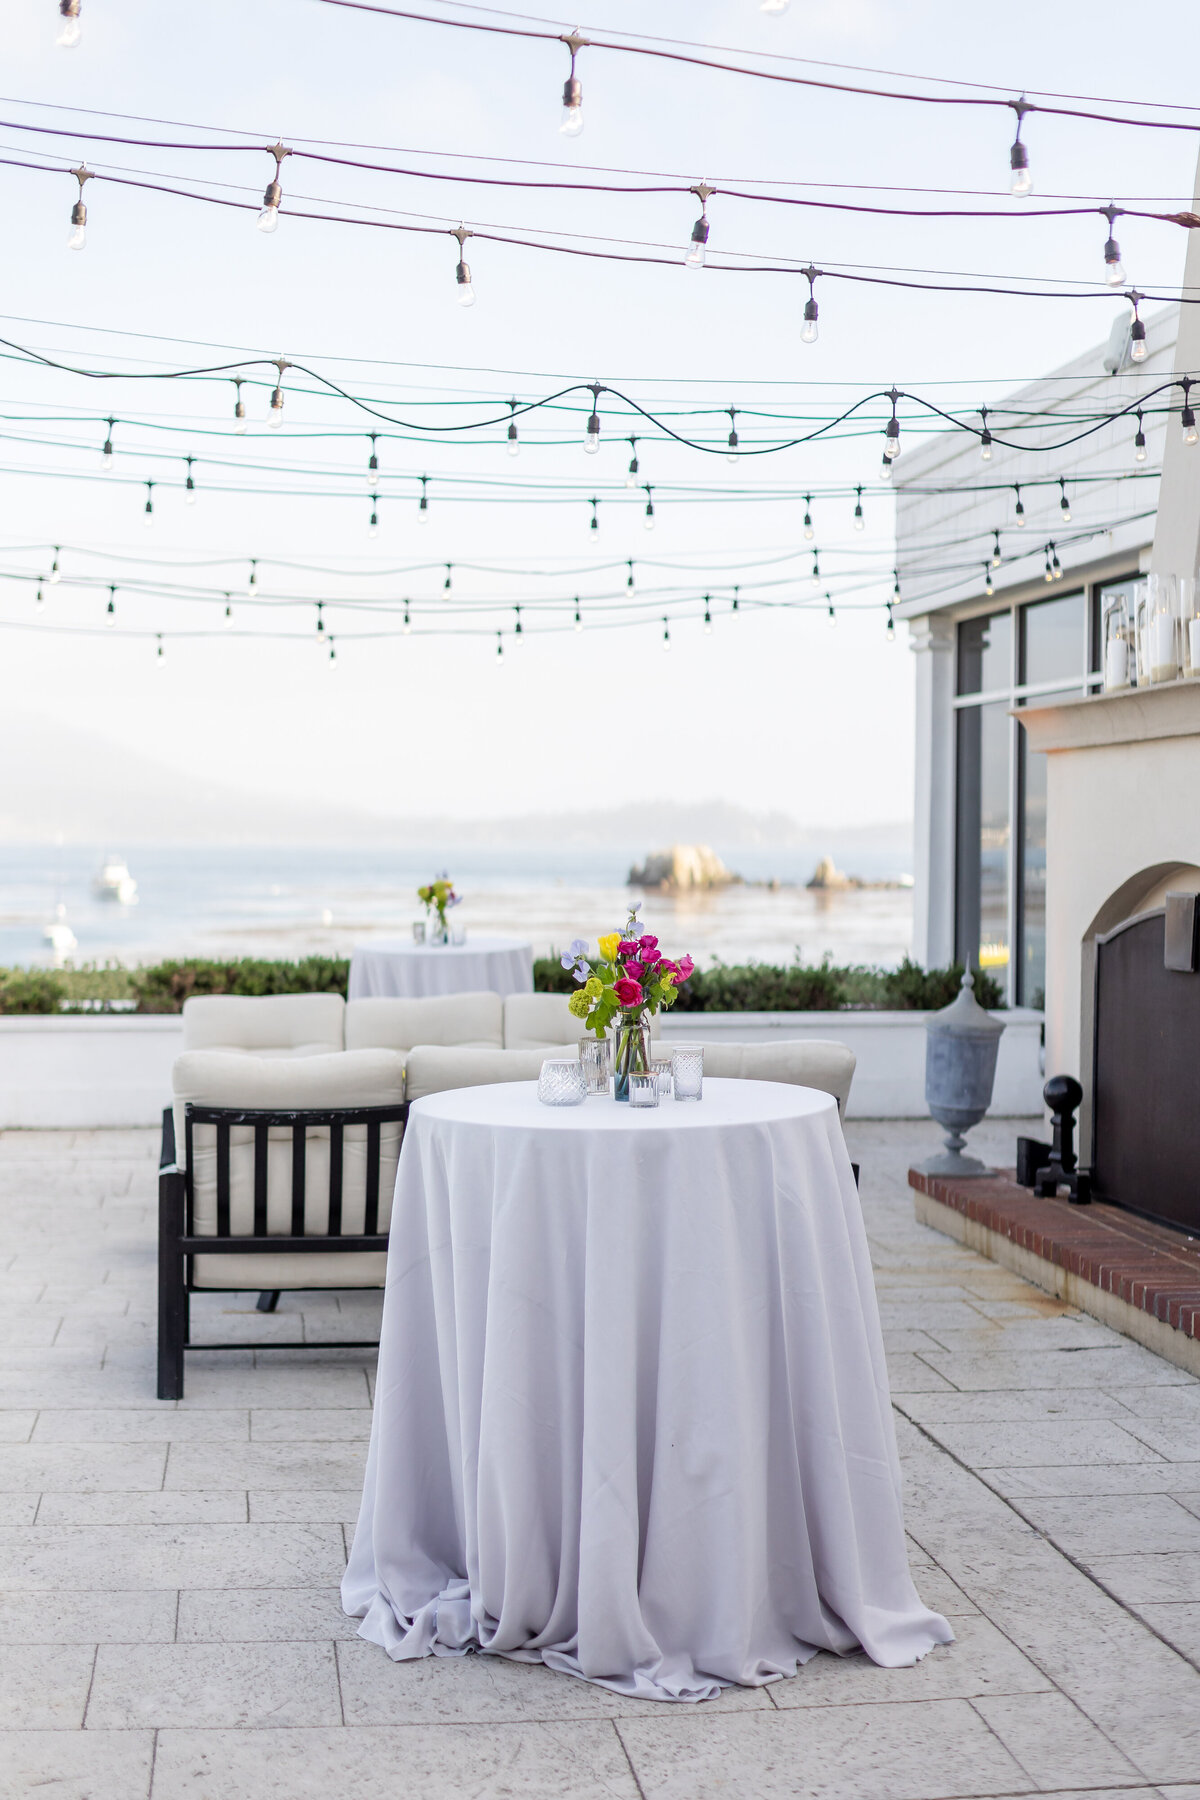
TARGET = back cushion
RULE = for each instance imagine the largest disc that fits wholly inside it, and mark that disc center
(532, 1020)
(267, 1025)
(820, 1063)
(475, 1020)
(432, 1068)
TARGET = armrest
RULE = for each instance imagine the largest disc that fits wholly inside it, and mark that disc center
(166, 1156)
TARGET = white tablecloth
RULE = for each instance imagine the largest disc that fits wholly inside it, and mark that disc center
(401, 969)
(632, 1417)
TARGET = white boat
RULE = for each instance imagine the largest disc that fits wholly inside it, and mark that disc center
(114, 882)
(58, 934)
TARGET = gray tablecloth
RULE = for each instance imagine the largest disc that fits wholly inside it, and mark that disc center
(403, 970)
(632, 1416)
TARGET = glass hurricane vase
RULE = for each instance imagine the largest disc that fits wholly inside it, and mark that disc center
(631, 1051)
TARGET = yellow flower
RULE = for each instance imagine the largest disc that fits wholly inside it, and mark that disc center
(608, 944)
(580, 1004)
(593, 987)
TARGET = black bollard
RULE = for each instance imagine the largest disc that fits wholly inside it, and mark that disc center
(1062, 1094)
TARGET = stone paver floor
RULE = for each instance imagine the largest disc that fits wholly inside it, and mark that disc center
(169, 1621)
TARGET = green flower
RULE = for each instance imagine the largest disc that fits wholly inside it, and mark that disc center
(580, 1004)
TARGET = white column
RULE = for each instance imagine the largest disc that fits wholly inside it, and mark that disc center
(1177, 528)
(931, 640)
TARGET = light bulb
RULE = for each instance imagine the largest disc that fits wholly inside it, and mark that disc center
(666, 636)
(1022, 176)
(372, 473)
(239, 418)
(373, 527)
(891, 439)
(1190, 434)
(987, 581)
(808, 330)
(631, 474)
(106, 457)
(996, 552)
(70, 31)
(1019, 513)
(1137, 340)
(228, 620)
(858, 513)
(985, 446)
(77, 236)
(110, 615)
(407, 623)
(648, 521)
(1065, 509)
(39, 603)
(189, 497)
(55, 575)
(276, 418)
(694, 257)
(731, 455)
(578, 620)
(591, 441)
(571, 123)
(514, 442)
(422, 511)
(832, 615)
(1139, 453)
(885, 472)
(1114, 268)
(808, 526)
(160, 659)
(268, 218)
(466, 293)
(628, 578)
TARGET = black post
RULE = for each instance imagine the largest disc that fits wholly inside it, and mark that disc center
(1062, 1094)
(172, 1298)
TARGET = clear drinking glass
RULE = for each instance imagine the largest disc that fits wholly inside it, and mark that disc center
(643, 1088)
(561, 1082)
(418, 931)
(687, 1073)
(595, 1056)
(458, 936)
(661, 1066)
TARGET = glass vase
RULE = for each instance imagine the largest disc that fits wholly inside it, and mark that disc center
(631, 1051)
(436, 931)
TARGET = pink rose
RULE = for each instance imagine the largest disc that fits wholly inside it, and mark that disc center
(628, 991)
(684, 968)
(627, 947)
(635, 970)
(648, 943)
(667, 967)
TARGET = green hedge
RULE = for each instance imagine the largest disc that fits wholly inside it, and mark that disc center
(164, 987)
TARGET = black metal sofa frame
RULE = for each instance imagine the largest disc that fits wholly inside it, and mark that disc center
(177, 1243)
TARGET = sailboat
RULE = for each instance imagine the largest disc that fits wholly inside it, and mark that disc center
(114, 882)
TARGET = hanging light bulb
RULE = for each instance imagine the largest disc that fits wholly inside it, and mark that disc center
(407, 621)
(106, 455)
(1187, 417)
(517, 631)
(733, 606)
(228, 615)
(591, 437)
(239, 407)
(1019, 509)
(808, 524)
(514, 442)
(885, 472)
(39, 602)
(896, 585)
(110, 611)
(448, 583)
(1055, 565)
(985, 437)
(373, 526)
(988, 589)
(707, 617)
(1139, 446)
(1137, 329)
(731, 455)
(160, 659)
(372, 465)
(332, 655)
(252, 578)
(276, 418)
(499, 646)
(578, 620)
(1064, 505)
(148, 510)
(571, 123)
(891, 435)
(859, 521)
(69, 32)
(816, 571)
(320, 621)
(631, 474)
(423, 503)
(832, 616)
(891, 625)
(648, 520)
(268, 218)
(77, 236)
(189, 486)
(666, 635)
(1048, 574)
(1021, 183)
(1114, 271)
(462, 273)
(595, 525)
(809, 329)
(55, 576)
(698, 246)
(629, 578)
(996, 550)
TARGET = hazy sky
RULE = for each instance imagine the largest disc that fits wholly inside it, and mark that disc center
(773, 709)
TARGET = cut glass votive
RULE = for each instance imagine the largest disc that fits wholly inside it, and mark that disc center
(418, 931)
(687, 1072)
(561, 1082)
(595, 1056)
(661, 1066)
(643, 1088)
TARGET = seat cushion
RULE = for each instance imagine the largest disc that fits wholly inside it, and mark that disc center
(434, 1068)
(533, 1021)
(476, 1020)
(345, 1079)
(265, 1025)
(805, 1062)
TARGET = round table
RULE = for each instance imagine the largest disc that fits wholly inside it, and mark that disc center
(402, 969)
(632, 1416)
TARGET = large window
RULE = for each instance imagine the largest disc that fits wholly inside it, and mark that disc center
(1016, 656)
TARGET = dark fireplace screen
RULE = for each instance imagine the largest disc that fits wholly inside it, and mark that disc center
(1146, 1065)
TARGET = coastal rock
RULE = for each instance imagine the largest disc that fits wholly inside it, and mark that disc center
(828, 876)
(681, 868)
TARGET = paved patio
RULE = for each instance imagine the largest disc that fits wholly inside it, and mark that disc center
(169, 1622)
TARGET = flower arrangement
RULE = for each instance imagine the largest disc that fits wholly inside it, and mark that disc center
(438, 896)
(629, 982)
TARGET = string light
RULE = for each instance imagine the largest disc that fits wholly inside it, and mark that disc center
(268, 218)
(595, 505)
(407, 627)
(161, 657)
(891, 625)
(809, 330)
(571, 123)
(276, 418)
(629, 577)
(631, 474)
(332, 655)
(148, 510)
(832, 616)
(189, 486)
(514, 440)
(896, 586)
(1048, 575)
(707, 617)
(591, 437)
(110, 611)
(320, 622)
(732, 440)
(578, 620)
(891, 435)
(1139, 441)
(985, 437)
(1114, 272)
(69, 32)
(666, 635)
(77, 236)
(462, 274)
(648, 520)
(1137, 331)
(228, 614)
(1021, 184)
(996, 550)
(517, 632)
(252, 578)
(448, 583)
(808, 524)
(698, 247)
(816, 571)
(373, 464)
(39, 602)
(1187, 417)
(423, 502)
(1055, 564)
(499, 646)
(373, 525)
(1019, 510)
(55, 575)
(239, 407)
(859, 522)
(106, 455)
(1064, 505)
(987, 580)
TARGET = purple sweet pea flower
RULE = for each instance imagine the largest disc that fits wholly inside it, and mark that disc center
(574, 958)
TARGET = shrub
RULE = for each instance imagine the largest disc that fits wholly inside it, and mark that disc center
(30, 991)
(911, 986)
(164, 987)
(820, 987)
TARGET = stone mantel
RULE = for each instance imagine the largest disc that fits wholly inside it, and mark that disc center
(1133, 716)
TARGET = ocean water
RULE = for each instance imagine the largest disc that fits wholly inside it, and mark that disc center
(288, 902)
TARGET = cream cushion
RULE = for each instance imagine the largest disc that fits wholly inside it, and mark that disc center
(476, 1020)
(345, 1078)
(433, 1068)
(534, 1020)
(805, 1062)
(266, 1025)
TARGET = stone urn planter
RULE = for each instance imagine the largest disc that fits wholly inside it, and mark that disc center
(961, 1043)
